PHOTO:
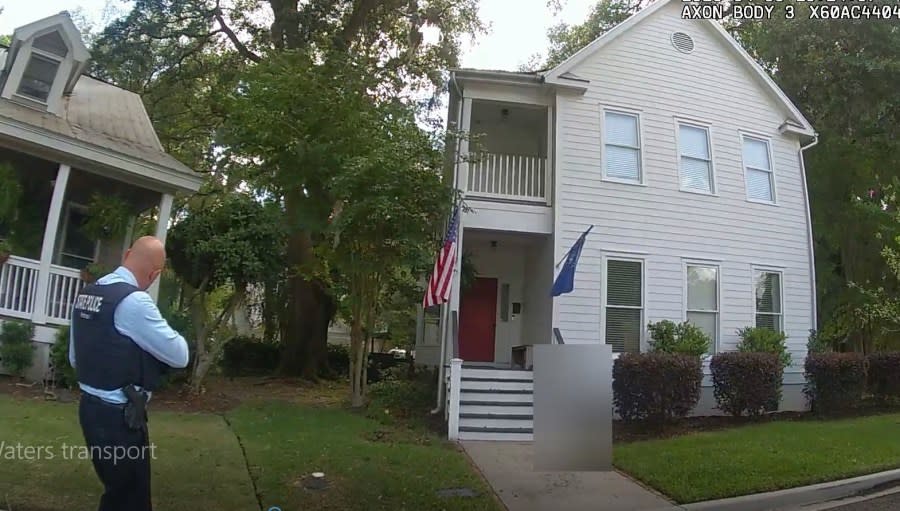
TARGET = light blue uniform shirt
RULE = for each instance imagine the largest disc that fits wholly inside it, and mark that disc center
(138, 318)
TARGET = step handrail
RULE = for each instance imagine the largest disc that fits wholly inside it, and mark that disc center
(557, 335)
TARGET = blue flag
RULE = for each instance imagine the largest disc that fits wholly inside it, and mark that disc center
(565, 281)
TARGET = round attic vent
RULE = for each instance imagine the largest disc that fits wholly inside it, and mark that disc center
(683, 42)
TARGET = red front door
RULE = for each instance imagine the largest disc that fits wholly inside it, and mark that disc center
(477, 321)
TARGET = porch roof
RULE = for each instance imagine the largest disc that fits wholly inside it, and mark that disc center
(100, 123)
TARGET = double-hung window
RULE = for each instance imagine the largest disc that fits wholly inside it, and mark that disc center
(622, 146)
(47, 54)
(702, 308)
(769, 312)
(624, 304)
(758, 170)
(695, 159)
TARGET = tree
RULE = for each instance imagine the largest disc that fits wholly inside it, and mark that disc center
(390, 199)
(218, 250)
(565, 39)
(389, 49)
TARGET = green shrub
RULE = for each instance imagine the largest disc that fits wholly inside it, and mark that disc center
(656, 387)
(63, 372)
(884, 374)
(834, 381)
(746, 383)
(816, 343)
(339, 359)
(686, 338)
(249, 356)
(16, 348)
(397, 396)
(764, 340)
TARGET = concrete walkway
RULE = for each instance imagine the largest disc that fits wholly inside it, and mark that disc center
(508, 467)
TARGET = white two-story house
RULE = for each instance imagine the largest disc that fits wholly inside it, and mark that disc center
(70, 138)
(687, 159)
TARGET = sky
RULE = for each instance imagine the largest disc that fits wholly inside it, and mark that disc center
(518, 28)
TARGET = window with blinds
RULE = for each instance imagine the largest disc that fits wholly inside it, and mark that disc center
(695, 160)
(758, 170)
(624, 305)
(703, 300)
(622, 146)
(768, 301)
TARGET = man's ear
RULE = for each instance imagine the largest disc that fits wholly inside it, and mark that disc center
(153, 276)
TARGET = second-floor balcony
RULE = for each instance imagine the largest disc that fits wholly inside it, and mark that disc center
(508, 176)
(507, 153)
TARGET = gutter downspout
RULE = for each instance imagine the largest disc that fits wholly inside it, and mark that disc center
(812, 258)
(445, 310)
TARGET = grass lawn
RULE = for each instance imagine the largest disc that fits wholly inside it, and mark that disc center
(369, 466)
(763, 457)
(198, 462)
(200, 465)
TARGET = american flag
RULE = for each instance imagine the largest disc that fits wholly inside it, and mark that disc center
(439, 284)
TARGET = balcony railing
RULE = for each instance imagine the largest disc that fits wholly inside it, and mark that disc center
(65, 283)
(18, 290)
(508, 176)
(18, 285)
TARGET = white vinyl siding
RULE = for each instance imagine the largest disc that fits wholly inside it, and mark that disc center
(702, 301)
(758, 169)
(695, 158)
(624, 305)
(622, 146)
(658, 222)
(767, 286)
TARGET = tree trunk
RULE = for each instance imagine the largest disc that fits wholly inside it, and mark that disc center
(308, 311)
(357, 363)
(201, 368)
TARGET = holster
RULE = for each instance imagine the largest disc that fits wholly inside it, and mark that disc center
(136, 408)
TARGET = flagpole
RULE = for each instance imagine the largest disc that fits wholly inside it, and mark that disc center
(573, 245)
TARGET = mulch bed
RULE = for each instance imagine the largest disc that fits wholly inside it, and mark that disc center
(635, 432)
(219, 395)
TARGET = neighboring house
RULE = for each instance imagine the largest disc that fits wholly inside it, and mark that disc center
(68, 135)
(685, 156)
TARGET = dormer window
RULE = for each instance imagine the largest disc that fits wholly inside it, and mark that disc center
(37, 80)
(44, 60)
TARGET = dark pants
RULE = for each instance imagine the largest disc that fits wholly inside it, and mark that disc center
(120, 455)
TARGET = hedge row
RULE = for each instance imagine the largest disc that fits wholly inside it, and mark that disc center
(838, 381)
(656, 387)
(659, 387)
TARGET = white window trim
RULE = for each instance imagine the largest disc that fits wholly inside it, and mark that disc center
(65, 230)
(23, 57)
(624, 256)
(686, 262)
(743, 135)
(706, 126)
(642, 181)
(755, 270)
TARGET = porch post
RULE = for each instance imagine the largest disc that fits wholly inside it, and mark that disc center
(462, 166)
(39, 314)
(162, 227)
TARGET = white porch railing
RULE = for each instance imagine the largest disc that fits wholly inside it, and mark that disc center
(18, 285)
(65, 283)
(18, 290)
(508, 176)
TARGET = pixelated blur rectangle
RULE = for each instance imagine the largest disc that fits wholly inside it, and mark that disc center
(572, 407)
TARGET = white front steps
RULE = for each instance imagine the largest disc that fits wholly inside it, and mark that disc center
(496, 404)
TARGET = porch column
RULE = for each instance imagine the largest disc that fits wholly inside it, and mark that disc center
(462, 165)
(162, 227)
(39, 314)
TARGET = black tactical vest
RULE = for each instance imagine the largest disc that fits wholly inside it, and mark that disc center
(104, 358)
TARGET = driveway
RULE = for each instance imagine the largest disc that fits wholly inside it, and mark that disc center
(508, 467)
